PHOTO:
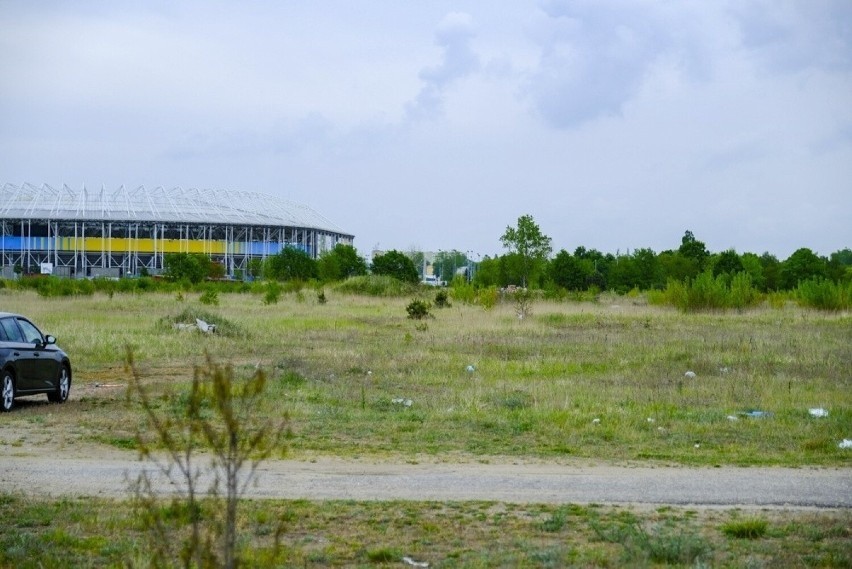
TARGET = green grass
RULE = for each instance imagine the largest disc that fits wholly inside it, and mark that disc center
(536, 388)
(104, 533)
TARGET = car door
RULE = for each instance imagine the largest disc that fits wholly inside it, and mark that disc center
(25, 355)
(43, 363)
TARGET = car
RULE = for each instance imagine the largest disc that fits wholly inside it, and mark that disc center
(30, 363)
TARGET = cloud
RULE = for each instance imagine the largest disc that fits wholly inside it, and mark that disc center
(594, 55)
(792, 36)
(454, 35)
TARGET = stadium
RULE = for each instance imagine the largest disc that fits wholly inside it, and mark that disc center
(128, 232)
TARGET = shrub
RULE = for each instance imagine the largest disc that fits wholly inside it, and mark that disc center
(463, 292)
(442, 299)
(376, 285)
(209, 297)
(418, 309)
(824, 294)
(273, 293)
(488, 297)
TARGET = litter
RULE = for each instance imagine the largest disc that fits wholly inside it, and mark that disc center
(470, 369)
(204, 326)
(756, 414)
(845, 443)
(401, 401)
(413, 563)
(596, 421)
(690, 374)
(732, 418)
(818, 412)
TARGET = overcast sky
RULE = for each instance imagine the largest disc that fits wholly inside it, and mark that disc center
(435, 124)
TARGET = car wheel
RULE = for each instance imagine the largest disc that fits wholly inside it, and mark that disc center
(7, 392)
(63, 387)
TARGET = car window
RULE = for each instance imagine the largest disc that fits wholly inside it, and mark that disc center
(13, 333)
(3, 337)
(31, 333)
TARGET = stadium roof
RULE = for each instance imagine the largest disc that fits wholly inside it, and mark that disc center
(176, 205)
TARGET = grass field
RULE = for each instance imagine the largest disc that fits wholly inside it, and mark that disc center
(592, 380)
(600, 381)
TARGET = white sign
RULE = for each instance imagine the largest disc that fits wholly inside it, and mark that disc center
(47, 268)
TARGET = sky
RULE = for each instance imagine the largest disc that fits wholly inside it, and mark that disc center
(434, 125)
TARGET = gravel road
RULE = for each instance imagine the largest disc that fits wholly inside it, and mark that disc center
(107, 476)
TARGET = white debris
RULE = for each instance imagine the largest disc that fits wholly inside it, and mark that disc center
(845, 443)
(183, 326)
(596, 421)
(402, 401)
(690, 374)
(733, 418)
(818, 412)
(204, 326)
(651, 420)
(723, 370)
(413, 563)
(470, 369)
(697, 445)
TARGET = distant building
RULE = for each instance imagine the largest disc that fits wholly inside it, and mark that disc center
(87, 233)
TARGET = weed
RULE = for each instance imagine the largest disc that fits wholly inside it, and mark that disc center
(749, 528)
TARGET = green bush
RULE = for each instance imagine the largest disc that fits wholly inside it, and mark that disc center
(442, 299)
(824, 294)
(273, 293)
(209, 297)
(418, 309)
(376, 285)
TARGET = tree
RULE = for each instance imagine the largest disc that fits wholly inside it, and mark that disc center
(771, 271)
(193, 267)
(693, 249)
(802, 265)
(727, 263)
(569, 272)
(529, 243)
(395, 264)
(290, 264)
(341, 263)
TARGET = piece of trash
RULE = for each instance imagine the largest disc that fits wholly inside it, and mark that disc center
(204, 326)
(755, 414)
(818, 412)
(732, 418)
(414, 563)
(697, 445)
(651, 420)
(470, 369)
(723, 370)
(845, 443)
(596, 421)
(369, 372)
(690, 374)
(401, 401)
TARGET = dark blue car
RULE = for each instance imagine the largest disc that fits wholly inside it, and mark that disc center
(31, 363)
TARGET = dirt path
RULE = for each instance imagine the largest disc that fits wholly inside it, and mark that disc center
(105, 472)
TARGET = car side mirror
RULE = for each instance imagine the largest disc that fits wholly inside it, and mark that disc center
(49, 339)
